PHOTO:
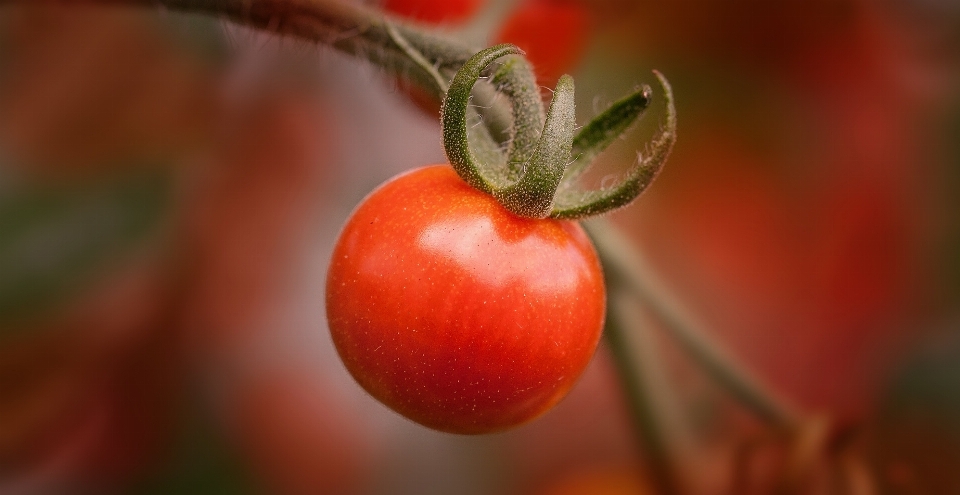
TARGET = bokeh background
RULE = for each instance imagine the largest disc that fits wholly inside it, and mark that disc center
(171, 187)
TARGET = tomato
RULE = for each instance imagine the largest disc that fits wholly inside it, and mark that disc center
(434, 11)
(553, 33)
(456, 313)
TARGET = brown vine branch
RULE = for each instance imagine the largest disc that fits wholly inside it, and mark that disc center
(350, 28)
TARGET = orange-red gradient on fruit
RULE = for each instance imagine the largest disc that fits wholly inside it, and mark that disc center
(456, 313)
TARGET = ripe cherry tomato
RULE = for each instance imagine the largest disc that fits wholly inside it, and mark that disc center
(455, 312)
(434, 11)
(553, 33)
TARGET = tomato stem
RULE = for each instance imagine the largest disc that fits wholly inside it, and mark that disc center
(538, 179)
(525, 181)
(345, 26)
(528, 178)
(634, 357)
(626, 269)
(442, 84)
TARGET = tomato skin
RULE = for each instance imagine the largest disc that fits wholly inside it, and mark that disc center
(455, 312)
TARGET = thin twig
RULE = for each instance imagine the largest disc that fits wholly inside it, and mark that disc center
(632, 356)
(442, 83)
(348, 27)
(627, 265)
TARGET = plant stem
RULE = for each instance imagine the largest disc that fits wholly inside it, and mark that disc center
(353, 29)
(350, 28)
(632, 355)
(627, 267)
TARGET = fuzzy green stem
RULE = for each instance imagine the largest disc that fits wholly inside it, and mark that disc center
(418, 58)
(516, 80)
(348, 27)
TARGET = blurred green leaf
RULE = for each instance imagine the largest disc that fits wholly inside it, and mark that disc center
(201, 34)
(930, 383)
(202, 464)
(56, 239)
(917, 445)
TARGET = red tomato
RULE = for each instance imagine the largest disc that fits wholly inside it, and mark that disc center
(434, 11)
(456, 313)
(553, 33)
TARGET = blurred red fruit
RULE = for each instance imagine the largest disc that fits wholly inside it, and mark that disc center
(252, 215)
(553, 33)
(434, 11)
(93, 89)
(806, 286)
(86, 400)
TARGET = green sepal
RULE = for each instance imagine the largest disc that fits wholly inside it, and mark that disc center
(516, 80)
(532, 194)
(572, 203)
(596, 136)
(471, 157)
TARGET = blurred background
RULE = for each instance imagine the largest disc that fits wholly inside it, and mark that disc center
(171, 187)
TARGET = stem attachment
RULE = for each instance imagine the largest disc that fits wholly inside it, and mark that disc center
(534, 177)
(532, 194)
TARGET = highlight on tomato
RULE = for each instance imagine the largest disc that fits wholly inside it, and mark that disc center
(457, 313)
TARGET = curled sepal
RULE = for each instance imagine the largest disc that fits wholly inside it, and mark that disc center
(457, 126)
(572, 203)
(516, 80)
(532, 194)
(594, 137)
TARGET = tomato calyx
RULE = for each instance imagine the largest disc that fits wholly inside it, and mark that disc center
(533, 170)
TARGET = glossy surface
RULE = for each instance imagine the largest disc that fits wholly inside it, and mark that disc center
(456, 313)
